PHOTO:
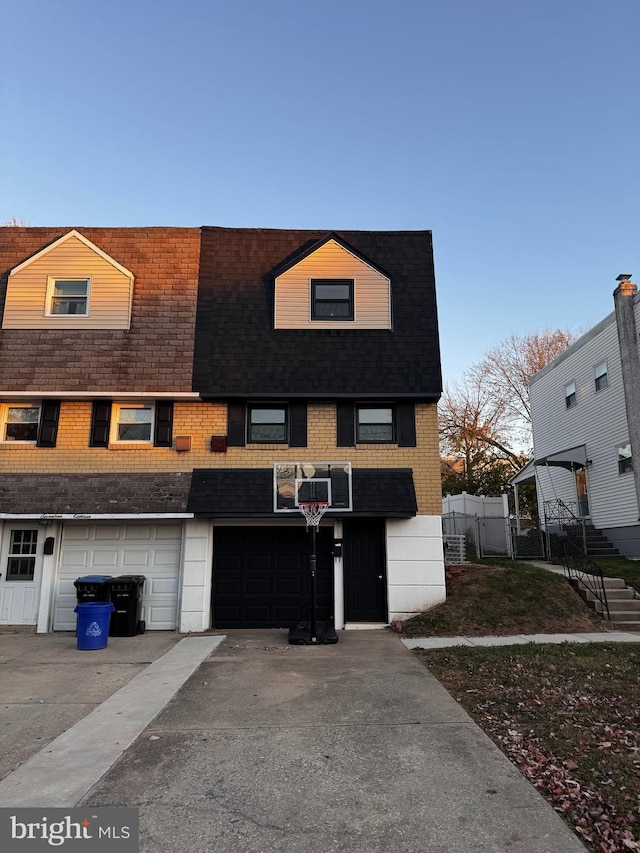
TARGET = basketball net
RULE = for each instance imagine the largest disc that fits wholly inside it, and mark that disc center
(313, 512)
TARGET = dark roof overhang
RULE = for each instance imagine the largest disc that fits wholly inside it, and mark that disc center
(82, 495)
(248, 493)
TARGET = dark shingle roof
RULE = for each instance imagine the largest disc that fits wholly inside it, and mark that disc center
(93, 494)
(248, 493)
(238, 353)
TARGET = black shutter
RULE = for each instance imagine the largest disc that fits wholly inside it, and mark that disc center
(100, 424)
(406, 424)
(345, 413)
(236, 427)
(298, 424)
(48, 429)
(163, 433)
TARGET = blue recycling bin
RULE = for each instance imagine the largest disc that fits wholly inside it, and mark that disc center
(93, 624)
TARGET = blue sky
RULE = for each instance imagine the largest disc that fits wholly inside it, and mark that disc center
(510, 128)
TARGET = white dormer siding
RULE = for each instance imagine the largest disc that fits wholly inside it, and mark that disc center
(71, 258)
(598, 420)
(293, 291)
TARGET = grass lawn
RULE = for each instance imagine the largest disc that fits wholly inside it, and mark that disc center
(567, 715)
(618, 567)
(505, 597)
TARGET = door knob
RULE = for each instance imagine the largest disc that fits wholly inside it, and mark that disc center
(379, 577)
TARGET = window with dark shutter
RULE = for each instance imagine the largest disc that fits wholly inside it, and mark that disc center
(345, 414)
(236, 424)
(297, 424)
(48, 430)
(406, 424)
(163, 434)
(100, 424)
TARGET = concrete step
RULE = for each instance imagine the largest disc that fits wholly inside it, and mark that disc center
(628, 605)
(614, 583)
(615, 594)
(621, 625)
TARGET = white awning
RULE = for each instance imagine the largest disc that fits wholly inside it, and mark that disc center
(571, 458)
(524, 475)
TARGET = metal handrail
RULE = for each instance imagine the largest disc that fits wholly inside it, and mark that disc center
(581, 568)
(558, 512)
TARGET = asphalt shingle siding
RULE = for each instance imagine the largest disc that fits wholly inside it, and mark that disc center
(239, 354)
(93, 494)
(248, 493)
(156, 354)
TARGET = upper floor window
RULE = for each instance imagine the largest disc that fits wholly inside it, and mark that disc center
(68, 296)
(601, 375)
(625, 462)
(132, 422)
(374, 424)
(570, 395)
(20, 422)
(267, 424)
(332, 299)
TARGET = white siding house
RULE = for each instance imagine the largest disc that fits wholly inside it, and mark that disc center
(581, 433)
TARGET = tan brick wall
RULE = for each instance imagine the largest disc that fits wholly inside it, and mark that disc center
(202, 420)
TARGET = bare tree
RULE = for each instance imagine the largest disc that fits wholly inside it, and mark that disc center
(475, 428)
(507, 368)
(485, 420)
(14, 222)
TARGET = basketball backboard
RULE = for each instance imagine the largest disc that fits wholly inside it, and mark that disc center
(324, 482)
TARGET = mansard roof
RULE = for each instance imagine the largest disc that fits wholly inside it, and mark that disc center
(239, 353)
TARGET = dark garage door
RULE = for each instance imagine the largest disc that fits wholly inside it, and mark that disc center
(261, 576)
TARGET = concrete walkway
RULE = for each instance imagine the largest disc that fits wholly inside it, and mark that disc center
(520, 639)
(63, 771)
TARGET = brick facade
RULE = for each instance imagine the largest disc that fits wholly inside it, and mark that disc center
(202, 420)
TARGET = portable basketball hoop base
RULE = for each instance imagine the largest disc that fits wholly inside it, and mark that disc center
(313, 629)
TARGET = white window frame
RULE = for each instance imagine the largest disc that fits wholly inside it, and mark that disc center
(115, 423)
(568, 394)
(4, 416)
(624, 459)
(51, 284)
(602, 375)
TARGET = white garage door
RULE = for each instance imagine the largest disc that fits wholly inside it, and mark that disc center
(152, 550)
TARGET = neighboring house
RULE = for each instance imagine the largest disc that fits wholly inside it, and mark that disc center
(166, 396)
(584, 411)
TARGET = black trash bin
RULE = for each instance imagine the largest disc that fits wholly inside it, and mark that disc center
(92, 588)
(125, 593)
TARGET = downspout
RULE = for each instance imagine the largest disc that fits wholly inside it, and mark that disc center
(624, 299)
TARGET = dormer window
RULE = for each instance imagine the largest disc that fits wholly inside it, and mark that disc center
(332, 299)
(68, 297)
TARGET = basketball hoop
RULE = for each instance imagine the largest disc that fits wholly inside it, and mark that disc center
(313, 512)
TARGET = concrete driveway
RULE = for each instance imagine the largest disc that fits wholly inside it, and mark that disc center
(354, 747)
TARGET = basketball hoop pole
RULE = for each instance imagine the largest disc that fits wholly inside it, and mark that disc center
(313, 513)
(312, 566)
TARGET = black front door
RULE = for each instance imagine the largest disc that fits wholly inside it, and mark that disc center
(365, 576)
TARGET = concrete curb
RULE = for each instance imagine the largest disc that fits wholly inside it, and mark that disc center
(519, 639)
(62, 773)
